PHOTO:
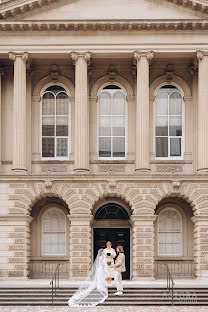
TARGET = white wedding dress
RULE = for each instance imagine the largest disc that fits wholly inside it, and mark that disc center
(94, 289)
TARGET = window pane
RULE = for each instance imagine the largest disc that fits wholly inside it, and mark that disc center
(105, 103)
(48, 147)
(118, 147)
(118, 126)
(170, 235)
(105, 126)
(48, 104)
(161, 103)
(62, 126)
(161, 126)
(175, 104)
(118, 105)
(62, 147)
(162, 147)
(104, 147)
(62, 103)
(175, 126)
(175, 146)
(48, 126)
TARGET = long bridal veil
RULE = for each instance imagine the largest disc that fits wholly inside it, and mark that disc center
(93, 290)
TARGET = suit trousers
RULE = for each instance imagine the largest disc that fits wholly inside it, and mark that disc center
(118, 280)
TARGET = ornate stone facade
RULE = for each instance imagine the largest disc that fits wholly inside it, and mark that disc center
(46, 44)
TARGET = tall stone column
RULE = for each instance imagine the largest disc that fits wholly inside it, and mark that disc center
(81, 111)
(19, 112)
(143, 247)
(201, 245)
(142, 110)
(80, 245)
(202, 111)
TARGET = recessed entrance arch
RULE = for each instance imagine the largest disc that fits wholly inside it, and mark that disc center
(111, 223)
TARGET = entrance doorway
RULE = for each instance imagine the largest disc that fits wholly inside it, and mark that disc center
(117, 236)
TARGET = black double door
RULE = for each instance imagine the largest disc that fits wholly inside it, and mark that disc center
(116, 237)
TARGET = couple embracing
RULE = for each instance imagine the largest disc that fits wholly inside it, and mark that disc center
(94, 289)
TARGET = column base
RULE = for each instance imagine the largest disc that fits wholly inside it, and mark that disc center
(81, 170)
(143, 170)
(19, 170)
(202, 170)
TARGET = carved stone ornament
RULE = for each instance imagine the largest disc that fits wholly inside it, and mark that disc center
(54, 72)
(48, 184)
(176, 184)
(85, 55)
(139, 54)
(193, 69)
(169, 72)
(112, 72)
(13, 56)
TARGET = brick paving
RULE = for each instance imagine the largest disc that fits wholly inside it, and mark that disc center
(104, 309)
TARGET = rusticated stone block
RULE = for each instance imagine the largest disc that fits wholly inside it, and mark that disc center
(203, 229)
(19, 254)
(16, 247)
(19, 229)
(17, 185)
(16, 211)
(16, 260)
(19, 241)
(16, 273)
(19, 267)
(16, 235)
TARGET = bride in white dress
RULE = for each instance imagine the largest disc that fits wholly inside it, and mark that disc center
(94, 289)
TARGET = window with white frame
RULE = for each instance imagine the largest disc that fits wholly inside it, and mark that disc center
(112, 120)
(169, 233)
(168, 123)
(55, 123)
(53, 233)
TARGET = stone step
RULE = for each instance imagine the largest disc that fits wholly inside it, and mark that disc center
(131, 297)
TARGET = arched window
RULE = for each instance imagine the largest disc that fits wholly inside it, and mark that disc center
(111, 211)
(169, 123)
(55, 123)
(112, 120)
(169, 233)
(53, 233)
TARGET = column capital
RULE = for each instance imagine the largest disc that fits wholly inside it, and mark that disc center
(86, 55)
(139, 54)
(201, 54)
(14, 55)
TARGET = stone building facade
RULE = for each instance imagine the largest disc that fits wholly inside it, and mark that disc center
(103, 135)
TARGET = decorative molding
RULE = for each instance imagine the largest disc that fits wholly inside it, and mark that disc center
(105, 25)
(112, 72)
(169, 169)
(13, 8)
(169, 72)
(54, 72)
(14, 55)
(85, 55)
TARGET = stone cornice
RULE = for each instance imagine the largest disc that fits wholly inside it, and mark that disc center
(13, 8)
(106, 25)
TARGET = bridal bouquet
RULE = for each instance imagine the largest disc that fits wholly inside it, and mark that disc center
(109, 262)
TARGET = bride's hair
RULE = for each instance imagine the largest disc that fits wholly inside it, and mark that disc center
(120, 248)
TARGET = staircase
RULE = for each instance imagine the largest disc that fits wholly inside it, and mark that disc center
(132, 296)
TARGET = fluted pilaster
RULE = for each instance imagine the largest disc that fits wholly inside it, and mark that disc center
(19, 112)
(81, 61)
(202, 111)
(142, 110)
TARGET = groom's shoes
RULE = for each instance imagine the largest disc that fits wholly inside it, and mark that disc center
(118, 293)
